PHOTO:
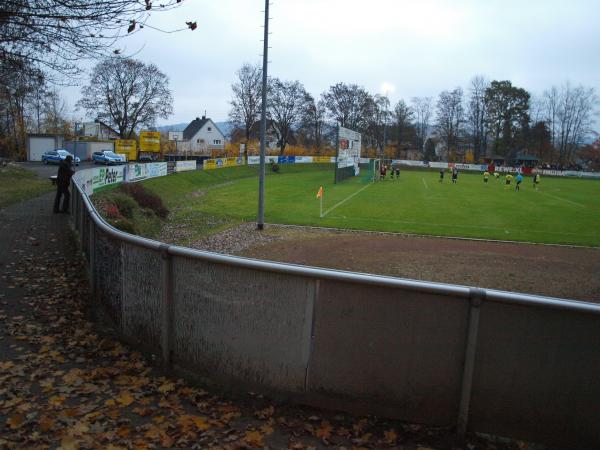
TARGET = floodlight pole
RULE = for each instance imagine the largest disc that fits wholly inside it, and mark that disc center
(263, 125)
(337, 153)
(384, 132)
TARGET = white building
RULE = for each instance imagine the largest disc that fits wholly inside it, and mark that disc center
(202, 136)
(99, 130)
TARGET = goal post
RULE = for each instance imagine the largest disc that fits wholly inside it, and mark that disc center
(348, 149)
(370, 171)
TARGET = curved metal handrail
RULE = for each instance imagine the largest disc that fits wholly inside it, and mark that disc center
(341, 275)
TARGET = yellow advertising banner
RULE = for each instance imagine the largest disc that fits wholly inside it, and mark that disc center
(150, 141)
(219, 163)
(126, 147)
(321, 159)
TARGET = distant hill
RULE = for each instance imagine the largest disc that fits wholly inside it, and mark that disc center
(174, 127)
(225, 127)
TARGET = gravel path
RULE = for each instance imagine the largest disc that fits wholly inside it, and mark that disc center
(555, 271)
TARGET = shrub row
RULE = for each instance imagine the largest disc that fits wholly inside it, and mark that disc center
(145, 198)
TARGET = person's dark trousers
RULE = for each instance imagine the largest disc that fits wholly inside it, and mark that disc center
(62, 191)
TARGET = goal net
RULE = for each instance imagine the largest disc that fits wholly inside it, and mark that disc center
(370, 171)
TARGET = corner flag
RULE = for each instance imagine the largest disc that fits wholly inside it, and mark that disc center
(320, 195)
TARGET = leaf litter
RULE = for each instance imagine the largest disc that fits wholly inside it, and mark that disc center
(65, 382)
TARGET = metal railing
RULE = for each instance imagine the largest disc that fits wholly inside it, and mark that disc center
(505, 363)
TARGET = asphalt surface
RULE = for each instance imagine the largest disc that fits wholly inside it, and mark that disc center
(46, 170)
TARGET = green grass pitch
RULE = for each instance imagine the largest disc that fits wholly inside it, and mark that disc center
(561, 211)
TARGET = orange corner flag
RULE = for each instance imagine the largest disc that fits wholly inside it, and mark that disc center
(320, 193)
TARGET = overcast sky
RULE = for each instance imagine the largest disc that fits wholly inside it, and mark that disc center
(411, 48)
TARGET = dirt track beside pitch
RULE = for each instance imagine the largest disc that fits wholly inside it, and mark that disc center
(566, 272)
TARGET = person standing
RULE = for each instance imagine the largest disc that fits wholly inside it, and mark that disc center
(486, 175)
(454, 175)
(519, 180)
(441, 175)
(536, 180)
(382, 172)
(63, 181)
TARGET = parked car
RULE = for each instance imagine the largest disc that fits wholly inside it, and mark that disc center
(107, 157)
(56, 156)
(148, 158)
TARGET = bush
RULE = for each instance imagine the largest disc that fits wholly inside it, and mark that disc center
(146, 198)
(125, 204)
(111, 211)
(125, 225)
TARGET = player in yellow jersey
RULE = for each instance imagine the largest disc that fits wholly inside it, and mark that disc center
(508, 179)
(486, 175)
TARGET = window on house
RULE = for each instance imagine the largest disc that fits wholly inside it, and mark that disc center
(209, 129)
(217, 142)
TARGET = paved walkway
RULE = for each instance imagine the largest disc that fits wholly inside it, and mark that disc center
(64, 383)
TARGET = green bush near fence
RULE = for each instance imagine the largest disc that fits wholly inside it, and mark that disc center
(132, 209)
(562, 210)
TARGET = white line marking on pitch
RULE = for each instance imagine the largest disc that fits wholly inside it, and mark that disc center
(425, 183)
(563, 199)
(345, 200)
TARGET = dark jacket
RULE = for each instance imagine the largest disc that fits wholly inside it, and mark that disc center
(65, 172)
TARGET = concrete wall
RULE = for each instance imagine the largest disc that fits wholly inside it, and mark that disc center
(239, 325)
(537, 374)
(398, 349)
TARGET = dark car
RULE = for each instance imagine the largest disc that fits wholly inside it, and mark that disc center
(148, 158)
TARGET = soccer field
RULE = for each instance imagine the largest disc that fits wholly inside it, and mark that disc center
(563, 211)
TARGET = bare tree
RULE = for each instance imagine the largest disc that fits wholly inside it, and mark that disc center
(313, 121)
(55, 120)
(348, 105)
(423, 109)
(377, 116)
(570, 115)
(476, 116)
(18, 101)
(449, 117)
(127, 94)
(551, 104)
(246, 102)
(287, 103)
(56, 34)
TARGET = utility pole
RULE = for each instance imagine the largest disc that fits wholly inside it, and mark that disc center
(385, 117)
(263, 125)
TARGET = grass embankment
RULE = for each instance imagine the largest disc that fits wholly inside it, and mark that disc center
(18, 184)
(133, 209)
(189, 196)
(562, 210)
